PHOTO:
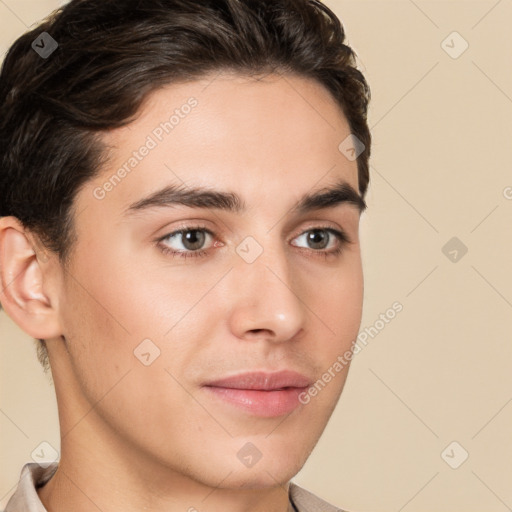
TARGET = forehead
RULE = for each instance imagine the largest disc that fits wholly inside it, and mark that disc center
(267, 138)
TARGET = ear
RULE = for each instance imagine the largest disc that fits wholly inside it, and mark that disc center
(22, 293)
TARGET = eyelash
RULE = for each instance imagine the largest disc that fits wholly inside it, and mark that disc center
(342, 237)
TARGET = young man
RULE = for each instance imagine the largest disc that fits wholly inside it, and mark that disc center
(181, 183)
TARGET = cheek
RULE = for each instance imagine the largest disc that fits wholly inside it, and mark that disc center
(100, 312)
(340, 308)
(342, 299)
(351, 292)
(96, 334)
(114, 289)
(113, 301)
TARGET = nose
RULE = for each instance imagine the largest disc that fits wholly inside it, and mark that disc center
(266, 299)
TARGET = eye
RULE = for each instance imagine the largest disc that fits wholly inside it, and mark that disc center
(193, 238)
(319, 237)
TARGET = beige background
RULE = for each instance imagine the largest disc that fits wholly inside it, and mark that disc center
(440, 370)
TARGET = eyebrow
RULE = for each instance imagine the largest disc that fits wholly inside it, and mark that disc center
(200, 197)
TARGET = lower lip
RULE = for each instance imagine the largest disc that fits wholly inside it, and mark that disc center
(261, 403)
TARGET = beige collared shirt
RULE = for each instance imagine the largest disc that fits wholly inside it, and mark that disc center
(33, 476)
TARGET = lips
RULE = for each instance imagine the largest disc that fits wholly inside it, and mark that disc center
(263, 394)
(263, 381)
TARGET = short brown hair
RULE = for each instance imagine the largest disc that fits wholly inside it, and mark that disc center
(112, 54)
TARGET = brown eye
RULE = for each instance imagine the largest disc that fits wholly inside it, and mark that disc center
(185, 242)
(319, 238)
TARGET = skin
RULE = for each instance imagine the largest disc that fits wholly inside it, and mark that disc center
(158, 439)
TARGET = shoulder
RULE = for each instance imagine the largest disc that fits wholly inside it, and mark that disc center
(306, 501)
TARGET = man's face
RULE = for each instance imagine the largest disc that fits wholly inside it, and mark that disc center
(144, 331)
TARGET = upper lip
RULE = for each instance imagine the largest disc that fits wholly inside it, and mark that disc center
(263, 380)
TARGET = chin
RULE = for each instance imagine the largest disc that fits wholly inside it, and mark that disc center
(258, 479)
(274, 468)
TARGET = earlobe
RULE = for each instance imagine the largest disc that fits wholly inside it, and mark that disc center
(21, 282)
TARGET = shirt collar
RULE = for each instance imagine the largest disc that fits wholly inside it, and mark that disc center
(33, 476)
